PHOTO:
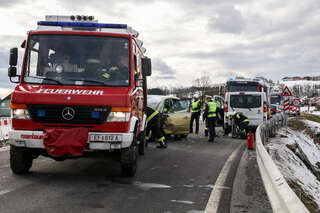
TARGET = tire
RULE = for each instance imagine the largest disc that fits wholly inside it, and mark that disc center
(143, 143)
(129, 160)
(20, 160)
(183, 135)
(235, 131)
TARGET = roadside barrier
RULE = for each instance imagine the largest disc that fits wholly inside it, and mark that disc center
(5, 126)
(281, 196)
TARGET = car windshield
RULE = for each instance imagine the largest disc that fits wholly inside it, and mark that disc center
(245, 101)
(242, 86)
(179, 106)
(77, 60)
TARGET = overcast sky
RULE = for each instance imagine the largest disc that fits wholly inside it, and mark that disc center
(187, 39)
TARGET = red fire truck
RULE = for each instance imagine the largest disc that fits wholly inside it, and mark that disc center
(81, 91)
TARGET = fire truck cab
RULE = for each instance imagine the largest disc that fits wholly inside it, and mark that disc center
(81, 90)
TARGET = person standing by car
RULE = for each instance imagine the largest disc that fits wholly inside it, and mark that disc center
(210, 113)
(195, 113)
(205, 118)
(153, 122)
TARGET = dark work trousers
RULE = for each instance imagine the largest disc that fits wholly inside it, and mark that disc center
(206, 129)
(153, 125)
(194, 116)
(244, 125)
(211, 126)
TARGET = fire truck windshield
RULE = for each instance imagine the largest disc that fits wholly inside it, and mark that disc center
(77, 60)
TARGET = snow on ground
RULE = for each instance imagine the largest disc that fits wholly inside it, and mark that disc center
(301, 83)
(290, 165)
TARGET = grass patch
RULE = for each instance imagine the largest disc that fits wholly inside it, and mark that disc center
(306, 199)
(296, 124)
(314, 118)
(299, 125)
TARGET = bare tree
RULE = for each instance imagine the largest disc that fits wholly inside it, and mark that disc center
(203, 83)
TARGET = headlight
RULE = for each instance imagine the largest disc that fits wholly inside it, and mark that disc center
(20, 114)
(118, 117)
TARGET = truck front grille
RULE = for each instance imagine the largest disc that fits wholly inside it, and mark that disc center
(73, 114)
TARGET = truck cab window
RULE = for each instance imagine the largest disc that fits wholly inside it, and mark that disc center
(78, 60)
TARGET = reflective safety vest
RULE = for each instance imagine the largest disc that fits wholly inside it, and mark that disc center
(195, 106)
(153, 114)
(241, 118)
(212, 109)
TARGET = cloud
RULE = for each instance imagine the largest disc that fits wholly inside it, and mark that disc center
(161, 70)
(9, 3)
(227, 20)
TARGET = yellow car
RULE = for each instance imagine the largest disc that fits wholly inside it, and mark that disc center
(175, 115)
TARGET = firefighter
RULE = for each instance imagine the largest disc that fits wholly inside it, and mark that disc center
(211, 115)
(195, 113)
(153, 122)
(242, 121)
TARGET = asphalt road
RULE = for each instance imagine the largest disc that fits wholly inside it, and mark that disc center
(177, 179)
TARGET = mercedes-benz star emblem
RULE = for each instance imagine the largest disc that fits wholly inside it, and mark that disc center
(68, 113)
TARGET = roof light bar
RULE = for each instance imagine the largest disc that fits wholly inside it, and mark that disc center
(81, 24)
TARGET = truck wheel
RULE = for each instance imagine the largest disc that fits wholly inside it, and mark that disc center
(142, 144)
(20, 159)
(129, 159)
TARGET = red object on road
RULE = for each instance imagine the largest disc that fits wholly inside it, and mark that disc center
(250, 140)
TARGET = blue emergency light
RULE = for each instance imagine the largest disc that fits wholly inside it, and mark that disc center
(41, 113)
(95, 115)
(81, 24)
(256, 79)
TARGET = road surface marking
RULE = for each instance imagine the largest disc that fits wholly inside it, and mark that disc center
(2, 192)
(5, 148)
(182, 201)
(215, 196)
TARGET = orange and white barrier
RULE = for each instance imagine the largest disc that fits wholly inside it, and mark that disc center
(5, 126)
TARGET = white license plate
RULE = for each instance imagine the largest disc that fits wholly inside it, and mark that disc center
(105, 138)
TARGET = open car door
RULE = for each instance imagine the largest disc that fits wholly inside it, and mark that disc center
(177, 119)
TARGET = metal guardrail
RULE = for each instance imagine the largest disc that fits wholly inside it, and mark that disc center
(281, 196)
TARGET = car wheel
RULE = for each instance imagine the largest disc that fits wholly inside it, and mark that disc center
(183, 135)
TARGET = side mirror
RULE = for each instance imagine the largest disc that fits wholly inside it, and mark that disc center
(12, 72)
(23, 44)
(146, 66)
(13, 56)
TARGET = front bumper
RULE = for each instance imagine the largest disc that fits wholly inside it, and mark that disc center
(34, 139)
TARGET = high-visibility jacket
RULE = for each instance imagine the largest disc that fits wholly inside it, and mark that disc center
(241, 118)
(212, 109)
(151, 113)
(195, 106)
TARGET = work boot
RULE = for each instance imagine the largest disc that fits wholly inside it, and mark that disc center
(211, 140)
(162, 144)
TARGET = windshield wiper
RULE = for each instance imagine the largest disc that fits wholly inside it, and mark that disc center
(88, 80)
(44, 79)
